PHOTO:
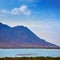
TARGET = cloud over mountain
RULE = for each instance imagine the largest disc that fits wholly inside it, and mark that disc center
(23, 9)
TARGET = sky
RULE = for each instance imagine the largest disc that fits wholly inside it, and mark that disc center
(41, 16)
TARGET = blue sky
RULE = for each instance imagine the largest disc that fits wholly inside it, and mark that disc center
(40, 16)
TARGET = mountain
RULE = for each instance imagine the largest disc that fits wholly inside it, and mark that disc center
(21, 37)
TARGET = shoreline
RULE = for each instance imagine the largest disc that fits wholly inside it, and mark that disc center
(30, 48)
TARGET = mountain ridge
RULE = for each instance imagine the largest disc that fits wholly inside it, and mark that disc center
(21, 36)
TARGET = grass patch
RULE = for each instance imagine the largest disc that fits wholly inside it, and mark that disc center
(30, 58)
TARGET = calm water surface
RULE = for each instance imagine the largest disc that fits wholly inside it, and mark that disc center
(29, 52)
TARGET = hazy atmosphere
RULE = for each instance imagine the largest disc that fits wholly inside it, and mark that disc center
(41, 16)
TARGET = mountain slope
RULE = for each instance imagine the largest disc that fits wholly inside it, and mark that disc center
(21, 37)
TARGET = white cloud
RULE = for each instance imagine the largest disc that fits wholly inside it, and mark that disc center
(24, 9)
(21, 10)
(16, 11)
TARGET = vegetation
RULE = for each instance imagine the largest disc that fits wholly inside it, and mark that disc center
(31, 58)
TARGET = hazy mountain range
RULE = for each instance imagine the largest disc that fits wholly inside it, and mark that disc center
(21, 37)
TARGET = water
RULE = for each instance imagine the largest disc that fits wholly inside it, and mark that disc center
(29, 52)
